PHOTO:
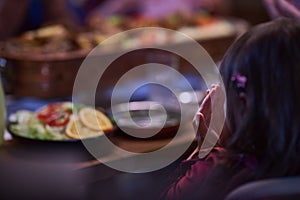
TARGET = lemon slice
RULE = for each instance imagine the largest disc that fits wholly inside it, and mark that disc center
(76, 130)
(95, 120)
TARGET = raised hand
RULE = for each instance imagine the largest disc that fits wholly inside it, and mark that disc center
(212, 106)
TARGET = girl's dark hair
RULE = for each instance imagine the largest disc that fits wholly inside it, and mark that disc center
(264, 117)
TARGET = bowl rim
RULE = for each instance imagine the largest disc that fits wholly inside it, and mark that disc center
(26, 56)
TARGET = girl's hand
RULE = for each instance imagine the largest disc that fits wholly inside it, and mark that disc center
(215, 98)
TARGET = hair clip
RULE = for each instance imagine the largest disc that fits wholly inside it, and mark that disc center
(239, 81)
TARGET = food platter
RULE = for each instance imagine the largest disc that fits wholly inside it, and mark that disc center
(149, 121)
(60, 122)
(42, 63)
(57, 43)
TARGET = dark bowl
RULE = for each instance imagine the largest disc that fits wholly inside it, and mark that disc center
(38, 75)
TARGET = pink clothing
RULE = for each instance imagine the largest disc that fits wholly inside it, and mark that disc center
(201, 179)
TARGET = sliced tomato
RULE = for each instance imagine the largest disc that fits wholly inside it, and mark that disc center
(54, 114)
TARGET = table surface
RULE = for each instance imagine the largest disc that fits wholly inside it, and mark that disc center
(61, 167)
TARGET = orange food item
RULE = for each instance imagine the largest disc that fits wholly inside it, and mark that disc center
(95, 120)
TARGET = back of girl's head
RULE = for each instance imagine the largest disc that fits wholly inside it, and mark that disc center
(261, 73)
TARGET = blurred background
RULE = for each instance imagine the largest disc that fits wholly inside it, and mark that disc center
(43, 43)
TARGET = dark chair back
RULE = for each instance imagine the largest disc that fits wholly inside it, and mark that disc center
(287, 188)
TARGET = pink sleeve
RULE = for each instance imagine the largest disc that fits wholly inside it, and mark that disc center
(190, 177)
(185, 185)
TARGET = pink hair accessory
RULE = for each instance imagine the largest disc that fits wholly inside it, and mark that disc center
(239, 81)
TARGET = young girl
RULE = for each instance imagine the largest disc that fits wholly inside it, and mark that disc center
(261, 74)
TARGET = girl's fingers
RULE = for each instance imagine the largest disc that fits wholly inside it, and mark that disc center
(201, 128)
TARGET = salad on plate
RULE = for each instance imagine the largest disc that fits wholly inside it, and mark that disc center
(60, 121)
